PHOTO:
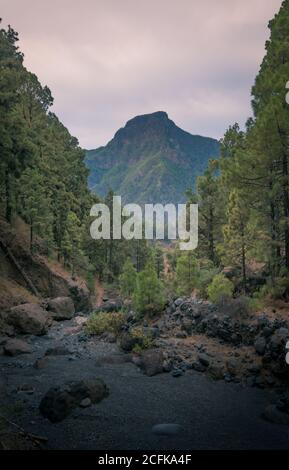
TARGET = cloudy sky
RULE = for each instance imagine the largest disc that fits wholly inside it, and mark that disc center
(109, 60)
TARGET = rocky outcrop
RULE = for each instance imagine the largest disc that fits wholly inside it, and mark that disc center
(263, 341)
(60, 401)
(61, 308)
(29, 319)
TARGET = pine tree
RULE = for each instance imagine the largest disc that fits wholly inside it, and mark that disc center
(128, 279)
(148, 296)
(237, 236)
(186, 273)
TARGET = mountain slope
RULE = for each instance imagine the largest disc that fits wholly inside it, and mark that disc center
(150, 160)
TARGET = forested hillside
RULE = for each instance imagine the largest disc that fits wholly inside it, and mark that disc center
(243, 197)
(244, 209)
(43, 176)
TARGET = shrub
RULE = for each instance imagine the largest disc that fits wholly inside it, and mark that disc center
(220, 289)
(144, 340)
(104, 322)
(278, 290)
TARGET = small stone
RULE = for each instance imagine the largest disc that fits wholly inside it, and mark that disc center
(85, 403)
(177, 373)
(167, 429)
(178, 301)
(198, 366)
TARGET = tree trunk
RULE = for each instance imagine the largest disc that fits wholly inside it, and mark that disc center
(286, 207)
(31, 236)
(211, 236)
(8, 214)
(244, 274)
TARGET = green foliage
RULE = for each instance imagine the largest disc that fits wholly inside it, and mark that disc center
(128, 279)
(210, 198)
(90, 280)
(104, 322)
(144, 340)
(237, 235)
(148, 296)
(186, 273)
(220, 289)
(43, 176)
(278, 289)
(206, 274)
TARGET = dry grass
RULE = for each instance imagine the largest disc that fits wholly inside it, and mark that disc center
(12, 293)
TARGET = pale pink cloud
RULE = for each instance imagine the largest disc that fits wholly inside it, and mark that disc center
(108, 60)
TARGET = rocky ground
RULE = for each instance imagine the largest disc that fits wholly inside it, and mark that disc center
(220, 382)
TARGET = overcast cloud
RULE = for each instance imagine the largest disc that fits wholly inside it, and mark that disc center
(109, 60)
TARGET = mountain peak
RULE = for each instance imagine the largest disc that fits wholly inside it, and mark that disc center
(150, 160)
(157, 115)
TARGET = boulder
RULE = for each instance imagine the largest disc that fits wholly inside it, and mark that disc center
(204, 359)
(61, 308)
(278, 340)
(127, 342)
(260, 345)
(14, 347)
(216, 371)
(152, 361)
(58, 402)
(28, 319)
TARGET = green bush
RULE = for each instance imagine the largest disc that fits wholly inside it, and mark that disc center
(104, 322)
(144, 339)
(278, 290)
(220, 289)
